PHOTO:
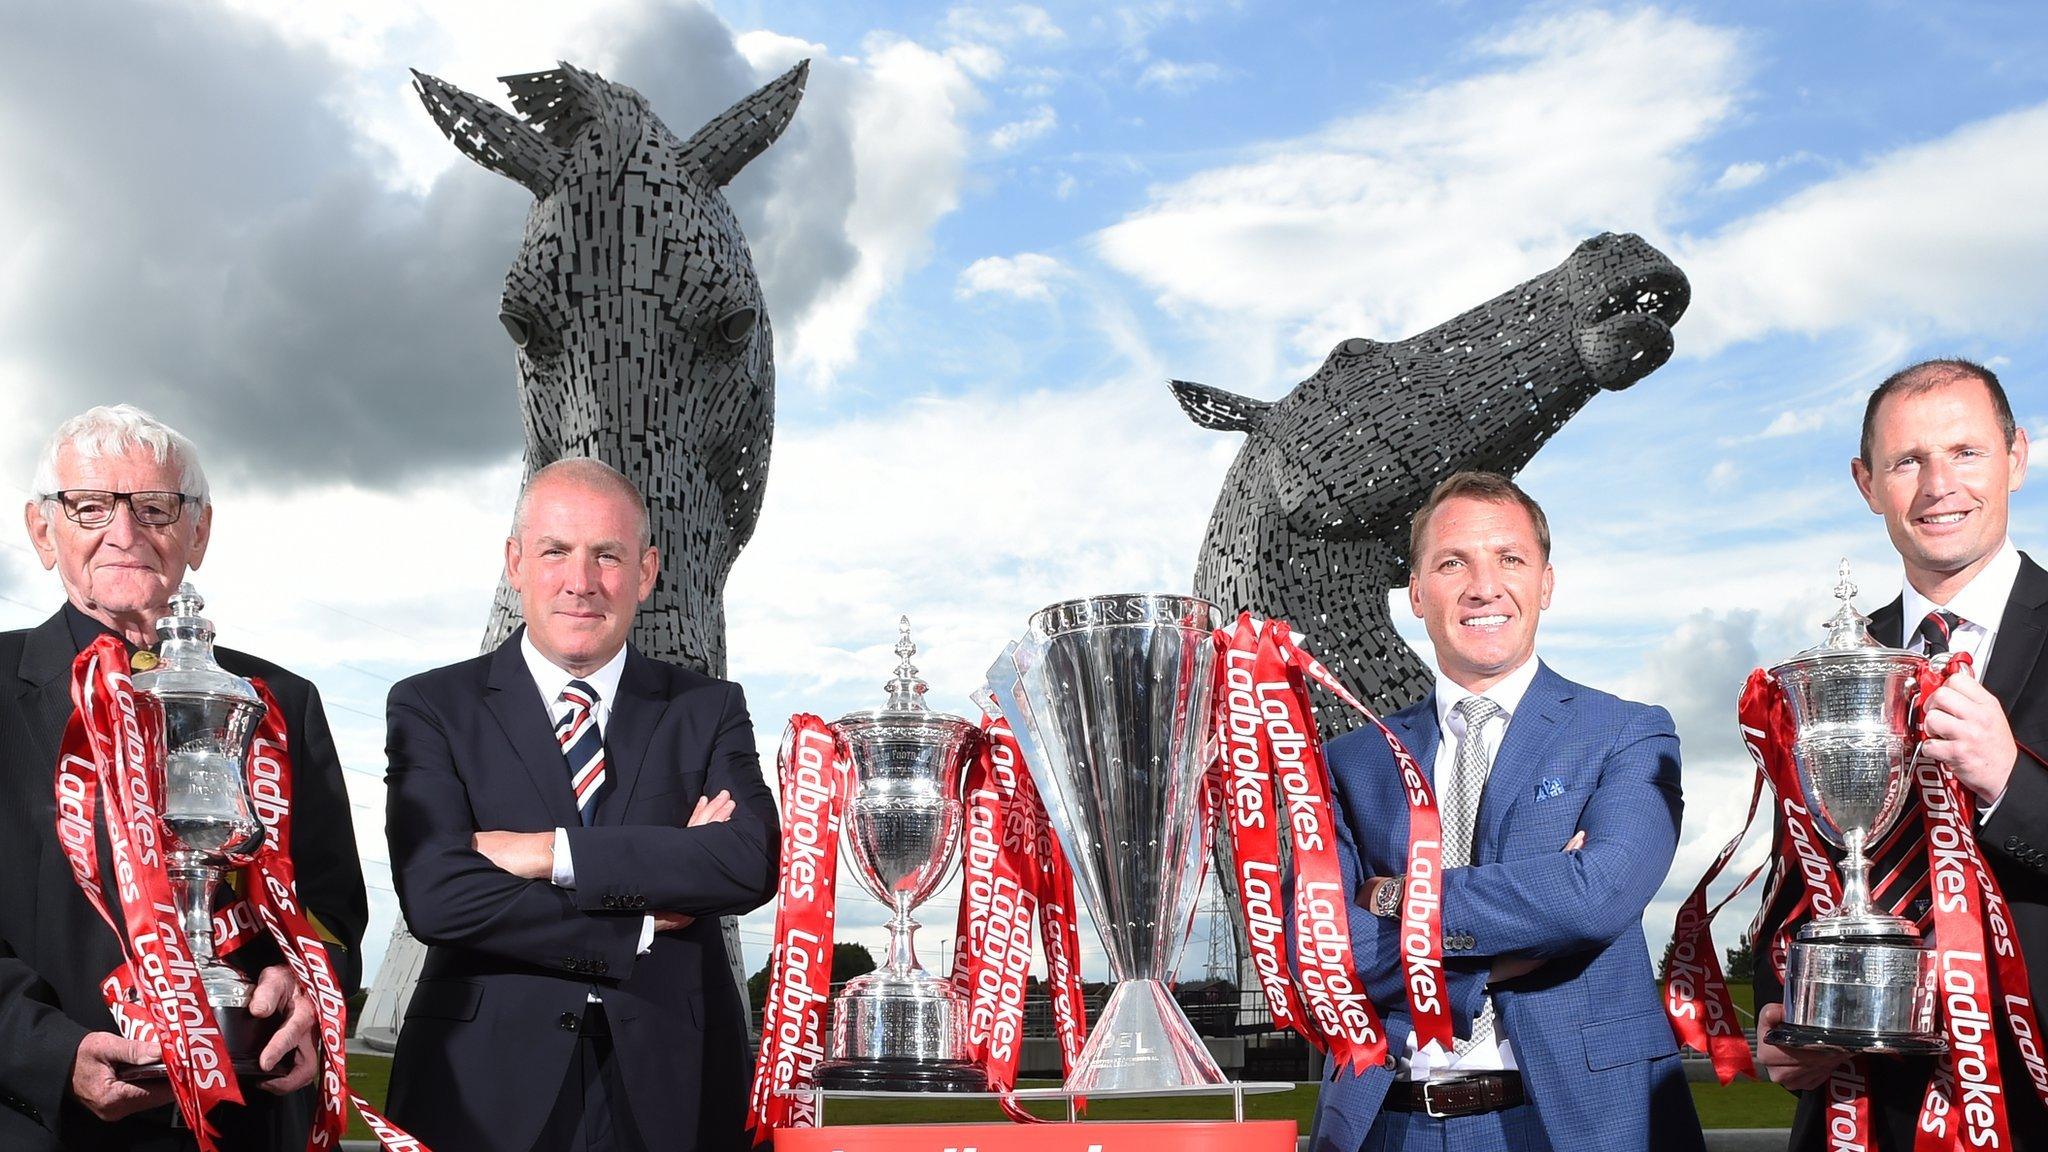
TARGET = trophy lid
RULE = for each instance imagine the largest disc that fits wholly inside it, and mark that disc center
(185, 662)
(1848, 633)
(905, 706)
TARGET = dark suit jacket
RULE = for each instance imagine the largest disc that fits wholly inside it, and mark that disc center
(490, 1030)
(2015, 844)
(1590, 1036)
(55, 949)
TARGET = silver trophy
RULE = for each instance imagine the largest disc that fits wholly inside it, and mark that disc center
(207, 717)
(1109, 698)
(1858, 980)
(900, 1028)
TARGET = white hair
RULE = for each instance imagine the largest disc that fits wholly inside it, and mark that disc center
(589, 473)
(114, 429)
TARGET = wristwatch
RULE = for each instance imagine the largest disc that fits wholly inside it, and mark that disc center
(1386, 899)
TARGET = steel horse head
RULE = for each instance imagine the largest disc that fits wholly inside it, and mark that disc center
(640, 332)
(1312, 524)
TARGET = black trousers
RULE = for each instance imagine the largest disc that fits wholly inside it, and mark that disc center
(590, 1114)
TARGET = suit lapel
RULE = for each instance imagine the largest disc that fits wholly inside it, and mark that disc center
(1887, 626)
(1525, 748)
(2020, 632)
(643, 698)
(45, 671)
(514, 699)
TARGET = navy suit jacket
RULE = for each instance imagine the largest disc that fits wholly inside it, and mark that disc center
(1597, 1055)
(490, 1030)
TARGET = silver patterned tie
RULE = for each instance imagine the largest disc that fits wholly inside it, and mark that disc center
(1461, 820)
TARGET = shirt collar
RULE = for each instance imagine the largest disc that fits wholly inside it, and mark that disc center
(551, 680)
(1507, 693)
(1981, 601)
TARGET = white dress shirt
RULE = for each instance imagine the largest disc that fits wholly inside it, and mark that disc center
(1981, 604)
(551, 681)
(1424, 1062)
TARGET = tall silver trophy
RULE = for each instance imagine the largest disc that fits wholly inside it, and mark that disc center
(1858, 980)
(900, 1028)
(1109, 698)
(207, 717)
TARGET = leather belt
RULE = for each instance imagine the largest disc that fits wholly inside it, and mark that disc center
(1457, 1096)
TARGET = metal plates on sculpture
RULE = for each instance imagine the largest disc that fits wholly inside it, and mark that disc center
(1312, 524)
(640, 332)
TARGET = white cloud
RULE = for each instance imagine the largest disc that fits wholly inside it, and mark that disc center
(1742, 175)
(906, 106)
(1397, 217)
(1041, 120)
(1026, 276)
(1004, 25)
(1946, 236)
(1177, 78)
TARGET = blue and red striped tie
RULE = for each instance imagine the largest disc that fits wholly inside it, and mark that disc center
(582, 747)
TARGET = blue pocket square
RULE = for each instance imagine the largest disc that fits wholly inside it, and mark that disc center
(1547, 787)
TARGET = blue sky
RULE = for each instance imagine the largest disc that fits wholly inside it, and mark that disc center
(989, 238)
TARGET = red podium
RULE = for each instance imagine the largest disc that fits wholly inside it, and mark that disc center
(1084, 1136)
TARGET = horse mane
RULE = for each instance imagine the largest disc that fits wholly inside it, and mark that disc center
(564, 100)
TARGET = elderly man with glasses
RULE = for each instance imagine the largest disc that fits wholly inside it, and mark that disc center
(120, 511)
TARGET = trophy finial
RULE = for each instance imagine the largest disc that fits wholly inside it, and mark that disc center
(907, 689)
(186, 601)
(1848, 628)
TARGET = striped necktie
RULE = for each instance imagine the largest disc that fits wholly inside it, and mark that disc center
(582, 747)
(1461, 820)
(1936, 631)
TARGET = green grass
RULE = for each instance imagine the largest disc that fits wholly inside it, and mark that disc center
(1743, 1104)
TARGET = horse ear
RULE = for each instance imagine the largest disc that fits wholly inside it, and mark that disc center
(1217, 410)
(735, 136)
(490, 135)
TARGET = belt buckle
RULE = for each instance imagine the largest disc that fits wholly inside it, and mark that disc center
(1429, 1103)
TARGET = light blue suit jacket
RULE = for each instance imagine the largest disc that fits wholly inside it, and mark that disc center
(1597, 1056)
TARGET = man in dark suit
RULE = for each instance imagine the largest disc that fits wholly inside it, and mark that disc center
(568, 819)
(1941, 457)
(121, 511)
(1560, 808)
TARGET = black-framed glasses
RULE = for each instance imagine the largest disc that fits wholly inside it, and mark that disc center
(91, 508)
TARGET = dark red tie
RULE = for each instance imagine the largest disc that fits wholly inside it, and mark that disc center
(1935, 631)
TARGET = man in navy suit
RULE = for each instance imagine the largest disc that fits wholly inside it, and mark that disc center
(1941, 457)
(568, 819)
(1560, 809)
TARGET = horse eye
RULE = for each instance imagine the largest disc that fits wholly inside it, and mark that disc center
(515, 328)
(735, 326)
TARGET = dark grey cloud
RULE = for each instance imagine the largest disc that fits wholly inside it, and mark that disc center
(1697, 674)
(196, 228)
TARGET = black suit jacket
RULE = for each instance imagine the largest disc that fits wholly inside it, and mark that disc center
(491, 1027)
(2015, 845)
(55, 949)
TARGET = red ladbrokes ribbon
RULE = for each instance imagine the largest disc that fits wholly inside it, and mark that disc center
(155, 994)
(1273, 767)
(1696, 995)
(816, 779)
(1014, 872)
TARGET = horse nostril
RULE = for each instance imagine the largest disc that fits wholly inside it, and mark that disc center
(515, 328)
(735, 326)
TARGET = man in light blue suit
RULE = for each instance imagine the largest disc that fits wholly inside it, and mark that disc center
(1560, 808)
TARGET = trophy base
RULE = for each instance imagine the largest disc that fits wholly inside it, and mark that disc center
(1852, 1043)
(241, 1034)
(1859, 994)
(901, 1076)
(1143, 1041)
(247, 1070)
